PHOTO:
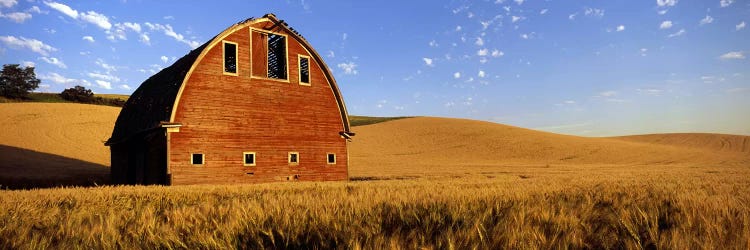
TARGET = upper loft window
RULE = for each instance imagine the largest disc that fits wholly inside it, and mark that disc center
(276, 56)
(269, 55)
(304, 70)
(230, 58)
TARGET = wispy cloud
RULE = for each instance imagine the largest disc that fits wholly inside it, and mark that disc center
(349, 68)
(620, 28)
(706, 20)
(169, 31)
(57, 78)
(593, 12)
(678, 33)
(54, 61)
(428, 61)
(92, 17)
(27, 43)
(457, 75)
(740, 26)
(733, 55)
(88, 38)
(103, 84)
(665, 25)
(725, 3)
(664, 3)
(18, 17)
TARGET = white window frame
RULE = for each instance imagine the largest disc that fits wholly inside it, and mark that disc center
(255, 159)
(236, 58)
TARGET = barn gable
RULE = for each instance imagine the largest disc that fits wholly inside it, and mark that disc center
(157, 98)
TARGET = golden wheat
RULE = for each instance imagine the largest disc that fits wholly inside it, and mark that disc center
(674, 207)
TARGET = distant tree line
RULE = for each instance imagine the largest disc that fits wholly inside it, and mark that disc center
(17, 82)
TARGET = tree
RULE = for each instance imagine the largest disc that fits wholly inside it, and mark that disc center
(17, 82)
(78, 94)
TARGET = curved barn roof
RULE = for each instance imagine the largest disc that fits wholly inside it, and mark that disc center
(155, 101)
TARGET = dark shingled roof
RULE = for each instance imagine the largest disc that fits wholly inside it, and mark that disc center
(151, 104)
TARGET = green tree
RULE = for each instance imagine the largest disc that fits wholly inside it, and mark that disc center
(17, 82)
(78, 94)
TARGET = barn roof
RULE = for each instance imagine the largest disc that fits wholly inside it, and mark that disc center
(154, 101)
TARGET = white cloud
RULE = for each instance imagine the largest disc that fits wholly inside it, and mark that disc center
(458, 28)
(54, 61)
(331, 54)
(643, 51)
(145, 39)
(593, 12)
(519, 2)
(482, 52)
(524, 36)
(428, 61)
(740, 26)
(662, 3)
(35, 9)
(95, 18)
(105, 66)
(662, 12)
(569, 102)
(543, 11)
(497, 53)
(707, 20)
(103, 84)
(132, 26)
(104, 77)
(650, 91)
(433, 43)
(620, 28)
(8, 3)
(18, 17)
(349, 68)
(678, 33)
(457, 75)
(26, 43)
(516, 18)
(169, 31)
(665, 25)
(125, 87)
(168, 17)
(88, 38)
(725, 3)
(164, 58)
(28, 64)
(57, 78)
(485, 24)
(733, 55)
(481, 74)
(479, 41)
(609, 93)
(572, 16)
(62, 8)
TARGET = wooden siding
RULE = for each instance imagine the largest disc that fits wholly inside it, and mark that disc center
(223, 116)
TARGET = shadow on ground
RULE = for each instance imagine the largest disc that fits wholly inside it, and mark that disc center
(26, 169)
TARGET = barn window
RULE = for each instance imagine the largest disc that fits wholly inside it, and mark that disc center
(197, 159)
(304, 70)
(276, 56)
(248, 158)
(230, 58)
(331, 158)
(293, 158)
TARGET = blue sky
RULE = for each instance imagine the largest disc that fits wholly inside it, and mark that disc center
(591, 68)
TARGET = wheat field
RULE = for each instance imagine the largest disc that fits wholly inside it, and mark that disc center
(428, 183)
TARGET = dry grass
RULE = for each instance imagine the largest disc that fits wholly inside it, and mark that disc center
(654, 207)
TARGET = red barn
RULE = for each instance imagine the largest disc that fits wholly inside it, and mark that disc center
(254, 104)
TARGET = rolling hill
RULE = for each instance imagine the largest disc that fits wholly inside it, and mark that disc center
(62, 140)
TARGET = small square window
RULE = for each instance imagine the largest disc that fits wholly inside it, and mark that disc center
(293, 158)
(331, 158)
(197, 159)
(248, 158)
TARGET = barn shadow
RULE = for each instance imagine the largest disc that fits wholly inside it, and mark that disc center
(26, 169)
